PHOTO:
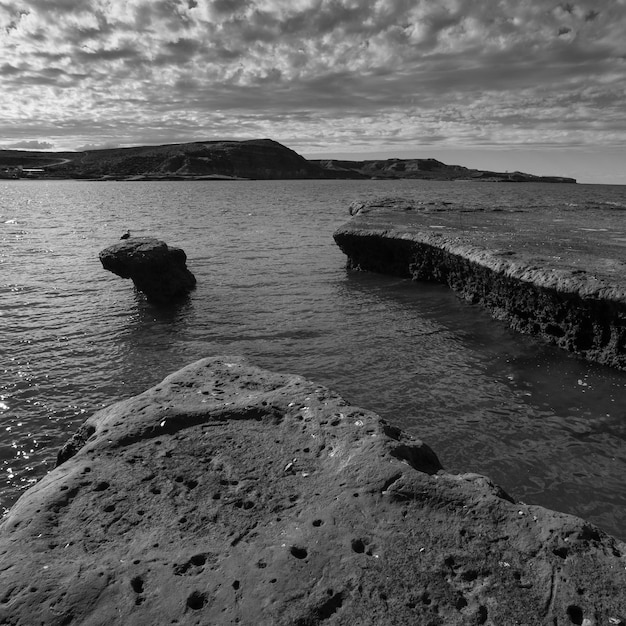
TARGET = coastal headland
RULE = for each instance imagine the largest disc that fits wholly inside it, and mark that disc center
(556, 273)
(258, 159)
(230, 494)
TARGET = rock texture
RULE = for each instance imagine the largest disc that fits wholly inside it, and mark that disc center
(156, 269)
(228, 494)
(555, 273)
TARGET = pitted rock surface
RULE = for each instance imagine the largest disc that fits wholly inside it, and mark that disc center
(228, 494)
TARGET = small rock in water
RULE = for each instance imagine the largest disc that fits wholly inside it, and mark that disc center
(156, 269)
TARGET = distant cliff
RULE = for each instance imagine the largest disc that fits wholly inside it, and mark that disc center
(230, 160)
(428, 169)
(260, 159)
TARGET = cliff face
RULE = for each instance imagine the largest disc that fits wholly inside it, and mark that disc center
(543, 271)
(229, 494)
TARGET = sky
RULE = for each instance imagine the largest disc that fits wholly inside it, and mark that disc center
(532, 85)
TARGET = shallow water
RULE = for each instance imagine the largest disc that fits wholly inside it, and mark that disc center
(272, 286)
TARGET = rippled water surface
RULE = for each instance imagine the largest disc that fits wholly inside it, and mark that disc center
(272, 286)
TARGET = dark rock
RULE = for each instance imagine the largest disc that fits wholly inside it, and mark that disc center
(229, 494)
(155, 268)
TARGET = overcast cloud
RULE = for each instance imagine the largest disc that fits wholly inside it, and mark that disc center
(318, 75)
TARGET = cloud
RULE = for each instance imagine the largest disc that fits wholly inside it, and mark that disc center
(29, 145)
(334, 71)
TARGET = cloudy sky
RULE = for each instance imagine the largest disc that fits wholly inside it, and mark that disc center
(535, 85)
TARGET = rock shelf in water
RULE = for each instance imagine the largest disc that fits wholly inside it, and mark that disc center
(555, 272)
(156, 269)
(228, 494)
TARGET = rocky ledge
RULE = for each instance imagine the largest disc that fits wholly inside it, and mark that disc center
(228, 494)
(558, 273)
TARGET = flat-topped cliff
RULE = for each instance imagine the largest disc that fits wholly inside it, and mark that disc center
(262, 158)
(228, 494)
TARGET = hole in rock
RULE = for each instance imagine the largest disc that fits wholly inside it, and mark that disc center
(469, 575)
(331, 606)
(461, 603)
(196, 600)
(109, 508)
(358, 545)
(137, 584)
(575, 614)
(317, 522)
(236, 585)
(198, 559)
(298, 552)
(102, 486)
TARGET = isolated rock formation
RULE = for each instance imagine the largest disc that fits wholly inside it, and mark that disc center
(229, 494)
(543, 270)
(155, 268)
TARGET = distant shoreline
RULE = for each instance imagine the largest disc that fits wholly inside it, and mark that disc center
(258, 159)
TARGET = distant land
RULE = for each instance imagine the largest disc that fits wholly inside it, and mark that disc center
(257, 159)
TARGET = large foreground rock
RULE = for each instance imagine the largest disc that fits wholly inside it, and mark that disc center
(156, 269)
(232, 495)
(555, 272)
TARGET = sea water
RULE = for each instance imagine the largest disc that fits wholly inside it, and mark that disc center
(272, 286)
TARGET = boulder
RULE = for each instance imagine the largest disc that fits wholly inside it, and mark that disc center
(156, 269)
(228, 494)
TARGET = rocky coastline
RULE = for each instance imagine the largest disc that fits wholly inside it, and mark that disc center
(255, 159)
(228, 494)
(544, 272)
